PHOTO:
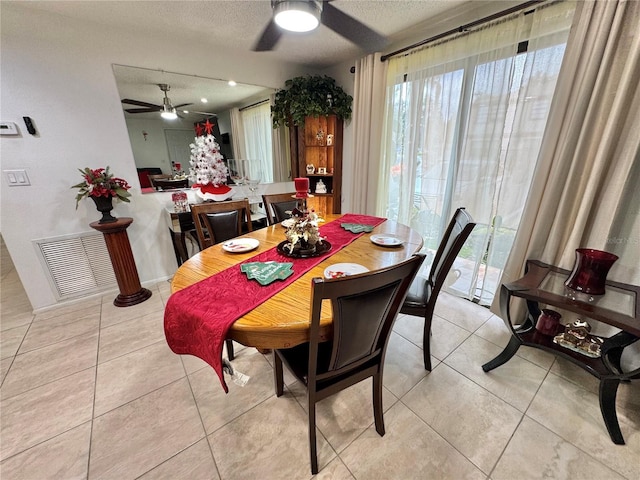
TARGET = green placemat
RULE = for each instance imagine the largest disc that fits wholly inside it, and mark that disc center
(267, 272)
(357, 227)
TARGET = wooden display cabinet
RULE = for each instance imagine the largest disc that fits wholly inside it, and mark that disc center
(319, 143)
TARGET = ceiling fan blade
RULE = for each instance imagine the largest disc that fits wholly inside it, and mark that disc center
(141, 110)
(269, 38)
(203, 113)
(182, 105)
(140, 104)
(352, 29)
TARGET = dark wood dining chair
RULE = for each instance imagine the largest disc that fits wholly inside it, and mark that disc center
(276, 205)
(364, 308)
(218, 222)
(422, 296)
(153, 178)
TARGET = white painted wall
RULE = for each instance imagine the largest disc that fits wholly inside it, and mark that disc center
(58, 71)
(152, 151)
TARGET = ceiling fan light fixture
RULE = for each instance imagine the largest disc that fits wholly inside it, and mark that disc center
(297, 15)
(168, 113)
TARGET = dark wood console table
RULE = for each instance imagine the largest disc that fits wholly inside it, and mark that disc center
(124, 266)
(619, 307)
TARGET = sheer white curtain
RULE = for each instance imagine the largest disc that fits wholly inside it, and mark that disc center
(256, 123)
(463, 126)
(237, 134)
(368, 99)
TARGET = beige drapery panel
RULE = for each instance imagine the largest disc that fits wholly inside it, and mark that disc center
(368, 99)
(584, 188)
(237, 134)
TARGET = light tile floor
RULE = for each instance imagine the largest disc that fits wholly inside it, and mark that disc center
(93, 391)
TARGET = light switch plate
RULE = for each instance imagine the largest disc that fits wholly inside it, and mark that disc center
(8, 128)
(17, 178)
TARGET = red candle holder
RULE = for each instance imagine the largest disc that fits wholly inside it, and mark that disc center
(590, 270)
(302, 187)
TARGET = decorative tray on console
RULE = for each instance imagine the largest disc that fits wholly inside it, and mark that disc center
(321, 249)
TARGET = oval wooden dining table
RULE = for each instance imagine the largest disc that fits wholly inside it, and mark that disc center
(282, 321)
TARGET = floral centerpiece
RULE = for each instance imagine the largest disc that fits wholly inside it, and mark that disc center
(101, 186)
(101, 183)
(207, 169)
(302, 233)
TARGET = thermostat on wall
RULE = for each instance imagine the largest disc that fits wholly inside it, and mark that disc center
(8, 128)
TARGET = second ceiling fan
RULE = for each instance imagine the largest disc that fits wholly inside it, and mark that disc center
(323, 12)
(167, 110)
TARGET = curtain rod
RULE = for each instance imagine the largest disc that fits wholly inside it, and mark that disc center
(255, 104)
(462, 28)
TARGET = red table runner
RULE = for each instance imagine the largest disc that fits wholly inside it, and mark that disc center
(197, 318)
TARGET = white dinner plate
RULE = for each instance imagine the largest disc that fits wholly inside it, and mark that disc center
(288, 222)
(339, 270)
(386, 240)
(240, 245)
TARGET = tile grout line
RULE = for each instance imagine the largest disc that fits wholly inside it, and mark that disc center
(95, 388)
(204, 427)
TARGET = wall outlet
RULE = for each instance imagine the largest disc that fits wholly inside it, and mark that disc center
(17, 178)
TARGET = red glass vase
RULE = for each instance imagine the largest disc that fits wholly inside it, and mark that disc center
(549, 322)
(590, 270)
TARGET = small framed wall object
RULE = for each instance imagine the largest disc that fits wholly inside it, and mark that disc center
(322, 171)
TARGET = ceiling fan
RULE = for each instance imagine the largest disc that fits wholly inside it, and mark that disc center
(299, 12)
(167, 110)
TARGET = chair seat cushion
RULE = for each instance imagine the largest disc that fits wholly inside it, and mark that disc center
(418, 293)
(297, 359)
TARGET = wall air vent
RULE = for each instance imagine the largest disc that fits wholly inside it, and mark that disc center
(76, 265)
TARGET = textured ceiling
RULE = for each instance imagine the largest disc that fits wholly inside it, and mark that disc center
(235, 26)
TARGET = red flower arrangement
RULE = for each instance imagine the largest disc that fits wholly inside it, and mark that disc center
(101, 183)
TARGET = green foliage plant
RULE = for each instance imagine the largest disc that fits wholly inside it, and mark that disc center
(309, 96)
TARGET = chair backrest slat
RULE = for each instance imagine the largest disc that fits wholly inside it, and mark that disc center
(364, 308)
(214, 221)
(455, 236)
(277, 204)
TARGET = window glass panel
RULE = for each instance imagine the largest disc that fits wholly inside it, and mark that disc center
(256, 122)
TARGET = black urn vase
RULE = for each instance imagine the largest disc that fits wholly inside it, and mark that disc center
(104, 206)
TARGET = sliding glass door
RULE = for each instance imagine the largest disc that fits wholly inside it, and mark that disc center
(463, 126)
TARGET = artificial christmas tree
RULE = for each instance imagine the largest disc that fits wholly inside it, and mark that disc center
(207, 171)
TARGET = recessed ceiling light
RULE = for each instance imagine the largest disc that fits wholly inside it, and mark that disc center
(203, 100)
(185, 111)
(232, 83)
